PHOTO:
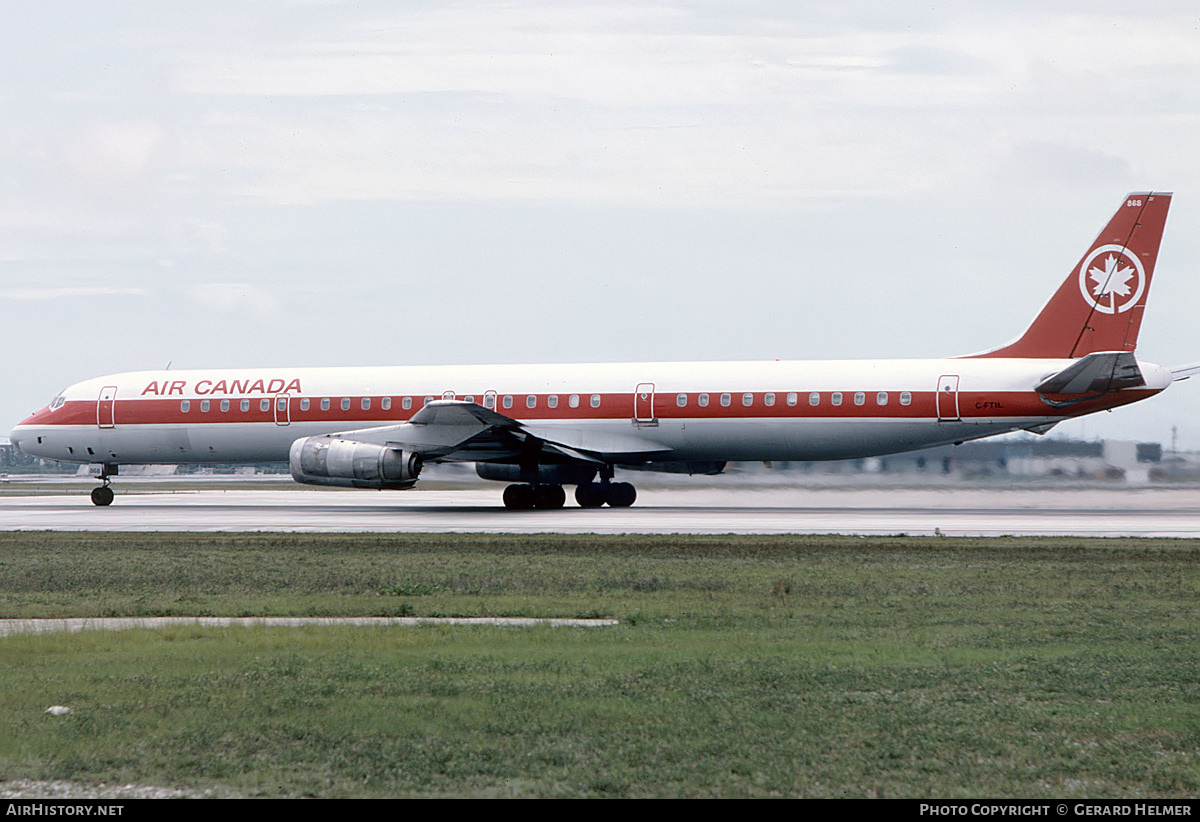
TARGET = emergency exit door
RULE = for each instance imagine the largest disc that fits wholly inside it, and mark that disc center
(106, 407)
(947, 398)
(643, 404)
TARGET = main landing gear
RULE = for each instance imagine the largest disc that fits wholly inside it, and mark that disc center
(103, 495)
(521, 497)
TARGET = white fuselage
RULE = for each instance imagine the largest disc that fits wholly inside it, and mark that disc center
(685, 412)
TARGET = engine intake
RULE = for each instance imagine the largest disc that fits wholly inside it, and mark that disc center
(328, 460)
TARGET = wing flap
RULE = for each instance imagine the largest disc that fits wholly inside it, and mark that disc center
(595, 442)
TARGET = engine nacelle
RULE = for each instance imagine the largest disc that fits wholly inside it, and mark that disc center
(557, 474)
(710, 467)
(328, 460)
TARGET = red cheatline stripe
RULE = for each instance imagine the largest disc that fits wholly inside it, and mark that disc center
(923, 405)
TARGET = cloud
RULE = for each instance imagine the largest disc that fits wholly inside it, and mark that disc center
(235, 298)
(68, 292)
(114, 158)
(1068, 164)
(667, 105)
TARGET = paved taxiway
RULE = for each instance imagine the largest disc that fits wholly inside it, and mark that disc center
(1167, 512)
(11, 627)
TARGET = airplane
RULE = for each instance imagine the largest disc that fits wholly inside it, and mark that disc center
(540, 427)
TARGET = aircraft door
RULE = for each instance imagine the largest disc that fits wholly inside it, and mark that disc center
(106, 407)
(947, 398)
(283, 409)
(643, 404)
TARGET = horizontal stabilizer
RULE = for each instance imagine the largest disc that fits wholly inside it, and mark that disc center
(1096, 373)
(1041, 429)
(1182, 372)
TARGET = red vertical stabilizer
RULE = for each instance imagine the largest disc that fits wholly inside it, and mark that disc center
(1099, 306)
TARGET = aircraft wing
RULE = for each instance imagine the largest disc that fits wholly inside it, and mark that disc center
(1096, 373)
(458, 431)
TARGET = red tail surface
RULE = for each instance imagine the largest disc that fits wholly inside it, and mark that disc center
(1099, 306)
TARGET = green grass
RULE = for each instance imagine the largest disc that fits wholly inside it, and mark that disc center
(743, 666)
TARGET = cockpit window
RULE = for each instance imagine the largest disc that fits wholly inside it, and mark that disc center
(58, 402)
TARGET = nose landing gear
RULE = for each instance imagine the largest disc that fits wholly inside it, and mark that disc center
(103, 495)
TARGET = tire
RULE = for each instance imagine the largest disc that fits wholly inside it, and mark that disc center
(590, 495)
(518, 497)
(102, 496)
(621, 494)
(549, 497)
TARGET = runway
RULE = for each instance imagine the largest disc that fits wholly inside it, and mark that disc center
(1093, 512)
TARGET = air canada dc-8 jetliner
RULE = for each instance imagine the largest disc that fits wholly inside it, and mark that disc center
(540, 427)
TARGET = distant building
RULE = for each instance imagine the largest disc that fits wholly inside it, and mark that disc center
(1011, 458)
(1024, 458)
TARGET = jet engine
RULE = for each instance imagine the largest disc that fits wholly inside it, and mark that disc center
(561, 474)
(328, 460)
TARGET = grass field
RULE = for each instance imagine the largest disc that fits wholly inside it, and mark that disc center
(743, 666)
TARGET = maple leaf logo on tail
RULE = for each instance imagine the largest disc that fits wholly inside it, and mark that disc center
(1112, 279)
(1116, 282)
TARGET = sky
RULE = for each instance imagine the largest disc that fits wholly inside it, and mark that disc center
(229, 184)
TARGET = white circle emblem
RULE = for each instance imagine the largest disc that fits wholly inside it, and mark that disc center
(1112, 279)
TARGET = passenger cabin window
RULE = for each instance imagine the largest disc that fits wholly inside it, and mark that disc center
(406, 403)
(366, 403)
(224, 405)
(508, 401)
(552, 400)
(905, 398)
(386, 403)
(531, 401)
(836, 398)
(792, 398)
(768, 399)
(681, 400)
(204, 406)
(726, 400)
(859, 398)
(595, 400)
(345, 403)
(304, 404)
(881, 398)
(747, 400)
(185, 406)
(814, 398)
(573, 401)
(264, 405)
(281, 404)
(324, 404)
(245, 405)
(702, 400)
